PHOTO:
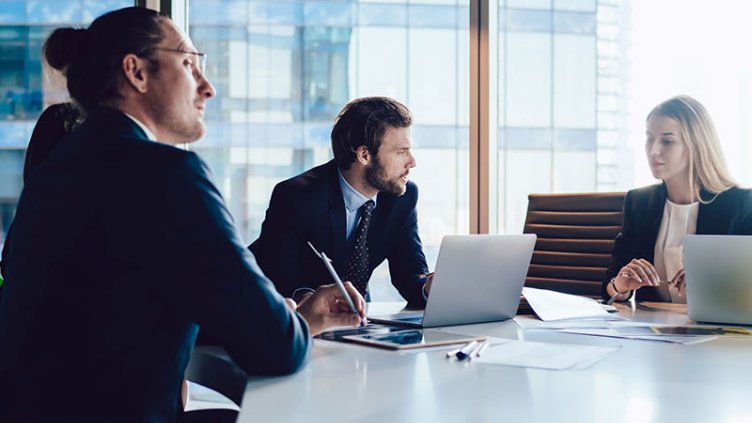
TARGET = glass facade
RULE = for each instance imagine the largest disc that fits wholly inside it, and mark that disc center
(571, 83)
(557, 109)
(26, 88)
(283, 70)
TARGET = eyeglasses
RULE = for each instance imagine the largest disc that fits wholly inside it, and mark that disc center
(201, 57)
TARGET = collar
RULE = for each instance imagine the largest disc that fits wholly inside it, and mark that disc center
(353, 199)
(141, 125)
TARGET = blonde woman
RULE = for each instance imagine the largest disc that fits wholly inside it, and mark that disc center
(696, 195)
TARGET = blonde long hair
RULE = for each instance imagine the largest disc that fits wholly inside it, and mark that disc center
(707, 167)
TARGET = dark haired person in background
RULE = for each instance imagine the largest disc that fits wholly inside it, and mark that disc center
(53, 125)
(56, 121)
(358, 208)
(122, 247)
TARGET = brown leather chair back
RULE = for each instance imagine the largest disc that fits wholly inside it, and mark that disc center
(575, 235)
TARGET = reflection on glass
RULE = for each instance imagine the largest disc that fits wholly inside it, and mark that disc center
(559, 82)
(26, 87)
(283, 70)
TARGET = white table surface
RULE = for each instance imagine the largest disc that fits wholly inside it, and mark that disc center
(642, 382)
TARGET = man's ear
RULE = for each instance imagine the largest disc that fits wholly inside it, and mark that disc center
(363, 156)
(135, 71)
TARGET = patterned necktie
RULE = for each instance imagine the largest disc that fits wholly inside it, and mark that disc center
(358, 266)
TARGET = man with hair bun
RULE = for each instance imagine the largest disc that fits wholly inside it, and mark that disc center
(122, 247)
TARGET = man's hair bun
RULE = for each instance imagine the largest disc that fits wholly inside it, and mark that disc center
(64, 46)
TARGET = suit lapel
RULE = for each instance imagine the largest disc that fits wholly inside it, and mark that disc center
(707, 221)
(654, 216)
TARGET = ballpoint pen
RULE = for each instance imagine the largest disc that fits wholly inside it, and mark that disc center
(482, 347)
(476, 351)
(453, 353)
(337, 280)
(613, 298)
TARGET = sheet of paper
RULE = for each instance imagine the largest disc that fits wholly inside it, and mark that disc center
(202, 398)
(543, 355)
(638, 335)
(526, 322)
(551, 306)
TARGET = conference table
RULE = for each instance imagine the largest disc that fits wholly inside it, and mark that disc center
(644, 381)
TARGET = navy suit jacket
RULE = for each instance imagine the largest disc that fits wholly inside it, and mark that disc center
(729, 214)
(310, 207)
(120, 250)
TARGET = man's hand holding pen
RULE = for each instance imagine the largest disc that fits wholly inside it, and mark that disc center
(327, 307)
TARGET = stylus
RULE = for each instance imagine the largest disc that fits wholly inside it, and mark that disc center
(337, 280)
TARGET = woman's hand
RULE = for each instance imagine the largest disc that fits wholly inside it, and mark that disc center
(636, 274)
(679, 281)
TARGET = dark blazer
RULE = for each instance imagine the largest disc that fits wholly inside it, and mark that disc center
(120, 249)
(310, 207)
(729, 214)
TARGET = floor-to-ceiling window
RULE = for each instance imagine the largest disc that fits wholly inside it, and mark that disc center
(283, 70)
(554, 100)
(572, 81)
(699, 48)
(26, 86)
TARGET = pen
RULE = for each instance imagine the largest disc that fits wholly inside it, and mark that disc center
(453, 353)
(464, 352)
(480, 349)
(476, 350)
(337, 280)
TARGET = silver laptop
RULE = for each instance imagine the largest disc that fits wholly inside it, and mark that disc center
(478, 278)
(718, 274)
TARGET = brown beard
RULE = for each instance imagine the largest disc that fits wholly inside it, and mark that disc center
(376, 177)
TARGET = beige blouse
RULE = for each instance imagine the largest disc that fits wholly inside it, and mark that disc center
(678, 220)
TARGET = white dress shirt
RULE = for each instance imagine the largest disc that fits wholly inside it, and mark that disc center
(141, 125)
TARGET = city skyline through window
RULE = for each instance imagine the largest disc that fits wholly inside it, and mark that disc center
(572, 83)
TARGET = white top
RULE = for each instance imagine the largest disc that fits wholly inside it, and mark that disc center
(678, 220)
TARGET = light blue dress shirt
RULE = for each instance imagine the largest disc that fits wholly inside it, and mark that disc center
(353, 201)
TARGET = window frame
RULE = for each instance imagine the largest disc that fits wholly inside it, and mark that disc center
(480, 103)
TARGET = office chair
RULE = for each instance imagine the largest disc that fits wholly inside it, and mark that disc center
(575, 236)
(221, 375)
